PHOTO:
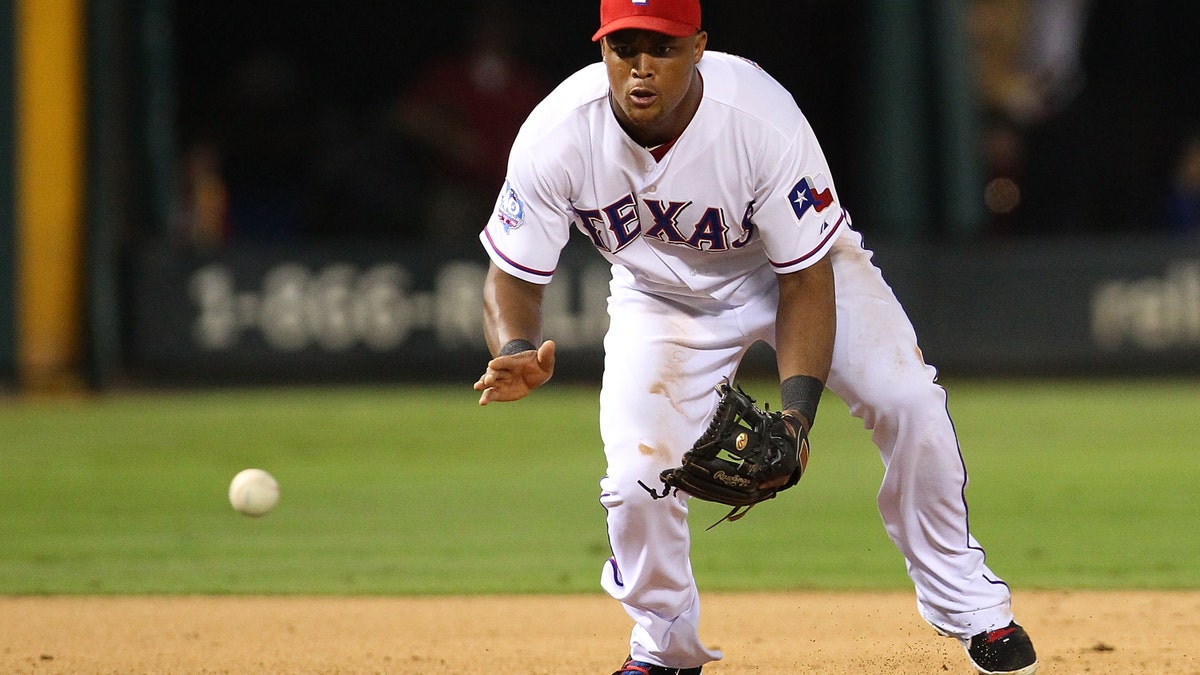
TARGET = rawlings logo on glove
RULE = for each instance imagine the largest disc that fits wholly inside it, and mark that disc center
(746, 455)
(734, 481)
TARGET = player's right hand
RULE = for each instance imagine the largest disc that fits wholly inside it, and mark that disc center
(509, 378)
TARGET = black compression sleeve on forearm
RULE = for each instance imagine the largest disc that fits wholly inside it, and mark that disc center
(516, 347)
(802, 393)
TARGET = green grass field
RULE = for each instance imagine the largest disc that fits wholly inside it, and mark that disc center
(417, 490)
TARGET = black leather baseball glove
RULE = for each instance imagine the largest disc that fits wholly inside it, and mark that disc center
(747, 455)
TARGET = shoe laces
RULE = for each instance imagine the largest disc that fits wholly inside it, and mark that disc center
(632, 666)
(999, 634)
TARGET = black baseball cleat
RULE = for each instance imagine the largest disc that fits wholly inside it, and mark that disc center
(632, 667)
(1003, 651)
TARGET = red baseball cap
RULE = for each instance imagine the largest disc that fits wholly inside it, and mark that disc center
(677, 18)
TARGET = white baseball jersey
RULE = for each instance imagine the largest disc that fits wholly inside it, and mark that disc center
(739, 196)
(696, 240)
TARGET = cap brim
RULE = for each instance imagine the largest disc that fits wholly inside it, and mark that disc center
(650, 23)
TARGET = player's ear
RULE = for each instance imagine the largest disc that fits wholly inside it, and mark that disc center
(700, 45)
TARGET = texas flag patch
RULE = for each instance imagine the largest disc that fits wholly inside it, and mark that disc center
(811, 193)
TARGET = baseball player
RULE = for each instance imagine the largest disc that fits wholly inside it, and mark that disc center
(696, 176)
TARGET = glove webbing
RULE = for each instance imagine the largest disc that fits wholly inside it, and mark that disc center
(714, 427)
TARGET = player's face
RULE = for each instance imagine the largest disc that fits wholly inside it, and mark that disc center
(655, 85)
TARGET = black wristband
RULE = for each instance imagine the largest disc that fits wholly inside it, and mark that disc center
(516, 347)
(802, 393)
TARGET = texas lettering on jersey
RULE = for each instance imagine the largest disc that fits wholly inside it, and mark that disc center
(619, 224)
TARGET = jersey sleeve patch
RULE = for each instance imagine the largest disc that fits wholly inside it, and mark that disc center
(811, 193)
(510, 210)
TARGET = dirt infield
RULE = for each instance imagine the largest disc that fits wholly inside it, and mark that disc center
(860, 633)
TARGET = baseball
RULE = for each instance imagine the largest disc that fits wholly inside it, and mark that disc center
(254, 492)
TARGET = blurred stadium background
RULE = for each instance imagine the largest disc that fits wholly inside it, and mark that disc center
(216, 191)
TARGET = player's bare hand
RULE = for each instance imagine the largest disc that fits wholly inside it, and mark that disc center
(509, 378)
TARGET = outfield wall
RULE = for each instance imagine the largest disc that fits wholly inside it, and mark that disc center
(1114, 306)
(87, 177)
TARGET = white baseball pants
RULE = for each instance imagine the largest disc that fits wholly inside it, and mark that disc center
(663, 359)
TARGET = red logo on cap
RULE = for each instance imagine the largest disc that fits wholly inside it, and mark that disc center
(677, 18)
